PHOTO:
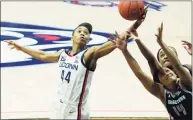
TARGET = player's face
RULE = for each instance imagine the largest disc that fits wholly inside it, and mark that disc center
(81, 36)
(163, 59)
(167, 76)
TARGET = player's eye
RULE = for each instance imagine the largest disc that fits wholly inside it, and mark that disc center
(161, 55)
(85, 32)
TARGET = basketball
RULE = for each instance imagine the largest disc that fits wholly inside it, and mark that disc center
(131, 10)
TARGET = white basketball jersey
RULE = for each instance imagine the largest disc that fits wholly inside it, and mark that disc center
(75, 78)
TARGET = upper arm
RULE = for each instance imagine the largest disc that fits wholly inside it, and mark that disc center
(52, 57)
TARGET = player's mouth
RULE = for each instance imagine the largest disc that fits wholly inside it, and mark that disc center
(168, 76)
(166, 61)
(82, 38)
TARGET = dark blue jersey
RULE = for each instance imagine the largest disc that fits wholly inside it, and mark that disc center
(179, 104)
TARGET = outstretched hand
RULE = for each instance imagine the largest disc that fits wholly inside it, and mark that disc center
(143, 15)
(12, 44)
(122, 40)
(188, 46)
(159, 34)
(139, 21)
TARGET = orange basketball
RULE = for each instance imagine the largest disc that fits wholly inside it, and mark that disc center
(131, 10)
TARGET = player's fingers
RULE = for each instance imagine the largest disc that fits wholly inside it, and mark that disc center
(126, 37)
(112, 36)
(117, 34)
(145, 11)
(158, 30)
(12, 47)
(161, 27)
(183, 42)
(186, 47)
(7, 41)
(186, 42)
(9, 44)
(114, 41)
(146, 7)
(128, 34)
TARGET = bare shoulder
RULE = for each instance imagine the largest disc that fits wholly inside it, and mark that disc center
(60, 51)
(188, 66)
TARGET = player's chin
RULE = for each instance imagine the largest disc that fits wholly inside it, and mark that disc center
(167, 64)
(82, 43)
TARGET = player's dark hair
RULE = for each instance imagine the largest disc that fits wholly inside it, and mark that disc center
(85, 24)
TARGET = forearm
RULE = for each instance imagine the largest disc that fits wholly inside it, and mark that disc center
(132, 62)
(104, 49)
(135, 25)
(34, 53)
(145, 51)
(144, 79)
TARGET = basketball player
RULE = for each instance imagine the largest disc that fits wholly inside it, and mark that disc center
(162, 60)
(175, 93)
(187, 46)
(76, 68)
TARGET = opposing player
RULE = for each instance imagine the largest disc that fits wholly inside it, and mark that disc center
(175, 93)
(76, 68)
(184, 84)
(162, 59)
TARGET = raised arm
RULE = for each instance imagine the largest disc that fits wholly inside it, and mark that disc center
(40, 55)
(152, 61)
(102, 50)
(108, 47)
(185, 77)
(154, 88)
